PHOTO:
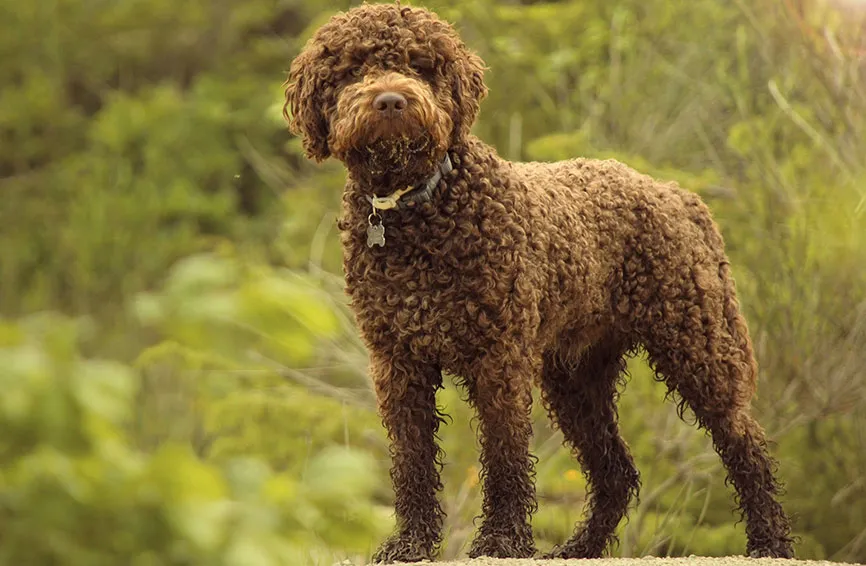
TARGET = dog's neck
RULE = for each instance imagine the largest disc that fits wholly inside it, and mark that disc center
(409, 196)
(362, 186)
(455, 196)
(378, 180)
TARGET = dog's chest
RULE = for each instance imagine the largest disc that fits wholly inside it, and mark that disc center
(442, 308)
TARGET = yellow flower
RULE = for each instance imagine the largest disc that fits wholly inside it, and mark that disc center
(472, 476)
(572, 475)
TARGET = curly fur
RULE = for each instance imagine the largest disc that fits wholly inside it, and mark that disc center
(514, 274)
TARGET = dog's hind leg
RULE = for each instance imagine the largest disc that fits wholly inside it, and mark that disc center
(581, 401)
(704, 354)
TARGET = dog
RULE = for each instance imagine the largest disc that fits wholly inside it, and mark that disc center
(513, 274)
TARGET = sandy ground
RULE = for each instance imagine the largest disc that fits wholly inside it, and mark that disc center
(690, 561)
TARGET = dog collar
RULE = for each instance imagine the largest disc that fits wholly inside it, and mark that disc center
(416, 194)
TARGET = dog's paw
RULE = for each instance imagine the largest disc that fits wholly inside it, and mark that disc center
(502, 546)
(401, 548)
(577, 547)
(780, 550)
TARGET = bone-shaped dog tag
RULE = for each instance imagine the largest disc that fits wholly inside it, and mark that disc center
(375, 235)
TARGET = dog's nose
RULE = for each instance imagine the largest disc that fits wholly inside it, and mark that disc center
(390, 102)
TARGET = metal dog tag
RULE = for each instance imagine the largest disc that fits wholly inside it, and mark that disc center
(375, 235)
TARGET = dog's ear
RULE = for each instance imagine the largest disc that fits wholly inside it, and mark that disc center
(304, 107)
(467, 91)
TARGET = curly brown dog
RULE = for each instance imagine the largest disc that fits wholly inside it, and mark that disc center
(512, 273)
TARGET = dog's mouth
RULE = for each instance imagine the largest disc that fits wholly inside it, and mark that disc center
(376, 131)
(394, 126)
(390, 153)
(395, 153)
(386, 134)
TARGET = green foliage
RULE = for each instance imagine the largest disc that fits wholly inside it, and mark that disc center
(73, 489)
(225, 380)
(132, 138)
(213, 407)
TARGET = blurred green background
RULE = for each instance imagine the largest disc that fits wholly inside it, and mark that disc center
(181, 381)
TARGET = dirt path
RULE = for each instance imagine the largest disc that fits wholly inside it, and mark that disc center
(691, 561)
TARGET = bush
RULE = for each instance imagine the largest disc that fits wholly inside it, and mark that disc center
(75, 489)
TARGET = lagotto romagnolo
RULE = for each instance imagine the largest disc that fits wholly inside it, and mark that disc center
(513, 274)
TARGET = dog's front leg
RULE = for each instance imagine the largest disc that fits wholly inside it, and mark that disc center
(406, 393)
(501, 394)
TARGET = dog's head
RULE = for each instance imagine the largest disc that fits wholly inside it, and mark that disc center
(383, 85)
